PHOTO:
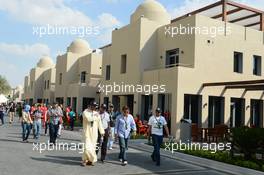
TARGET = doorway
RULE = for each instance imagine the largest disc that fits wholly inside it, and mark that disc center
(68, 101)
(146, 106)
(256, 113)
(193, 108)
(216, 111)
(106, 102)
(121, 100)
(74, 104)
(59, 100)
(237, 116)
(164, 103)
(86, 101)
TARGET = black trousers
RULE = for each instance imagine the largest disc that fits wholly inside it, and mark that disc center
(103, 145)
(53, 130)
(26, 131)
(46, 127)
(72, 123)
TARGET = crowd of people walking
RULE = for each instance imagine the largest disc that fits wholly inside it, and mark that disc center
(102, 127)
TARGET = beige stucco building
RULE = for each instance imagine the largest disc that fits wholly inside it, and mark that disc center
(205, 66)
(39, 84)
(72, 81)
(17, 93)
(78, 73)
(210, 79)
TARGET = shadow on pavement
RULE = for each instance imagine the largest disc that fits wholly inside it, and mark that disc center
(73, 161)
(14, 136)
(74, 140)
(66, 157)
(140, 160)
(8, 140)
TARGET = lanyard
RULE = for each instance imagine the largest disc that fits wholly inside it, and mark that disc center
(111, 116)
(159, 124)
(103, 117)
(126, 126)
(157, 120)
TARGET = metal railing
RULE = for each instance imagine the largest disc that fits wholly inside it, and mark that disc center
(169, 66)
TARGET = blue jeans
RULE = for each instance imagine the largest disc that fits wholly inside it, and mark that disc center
(37, 126)
(157, 141)
(26, 131)
(111, 138)
(53, 131)
(123, 147)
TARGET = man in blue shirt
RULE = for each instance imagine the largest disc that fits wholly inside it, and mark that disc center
(125, 124)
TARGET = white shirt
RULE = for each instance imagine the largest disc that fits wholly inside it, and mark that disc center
(105, 118)
(157, 124)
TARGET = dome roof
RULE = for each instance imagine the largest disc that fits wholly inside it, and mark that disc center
(45, 62)
(152, 10)
(19, 88)
(79, 46)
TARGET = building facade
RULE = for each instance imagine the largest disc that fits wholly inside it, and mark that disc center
(17, 94)
(78, 73)
(38, 84)
(205, 66)
(209, 79)
(72, 81)
(49, 86)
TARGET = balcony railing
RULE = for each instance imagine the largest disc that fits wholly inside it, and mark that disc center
(169, 66)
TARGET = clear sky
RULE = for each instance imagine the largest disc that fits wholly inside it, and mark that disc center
(21, 45)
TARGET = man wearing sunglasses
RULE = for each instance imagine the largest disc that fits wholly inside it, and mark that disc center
(156, 124)
(125, 124)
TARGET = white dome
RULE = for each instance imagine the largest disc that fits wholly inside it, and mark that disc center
(151, 10)
(19, 88)
(45, 62)
(79, 46)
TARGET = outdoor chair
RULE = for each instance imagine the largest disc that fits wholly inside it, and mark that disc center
(217, 133)
(196, 132)
(142, 129)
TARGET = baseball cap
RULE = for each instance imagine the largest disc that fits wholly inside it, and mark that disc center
(94, 104)
(158, 110)
(103, 106)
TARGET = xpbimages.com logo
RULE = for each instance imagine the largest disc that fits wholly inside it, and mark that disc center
(183, 146)
(79, 31)
(212, 31)
(63, 146)
(131, 88)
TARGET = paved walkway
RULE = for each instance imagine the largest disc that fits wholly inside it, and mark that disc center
(19, 158)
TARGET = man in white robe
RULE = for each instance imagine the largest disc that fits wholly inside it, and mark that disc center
(91, 125)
